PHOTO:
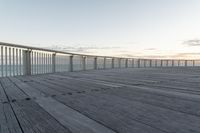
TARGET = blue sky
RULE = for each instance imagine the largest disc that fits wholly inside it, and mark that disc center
(149, 28)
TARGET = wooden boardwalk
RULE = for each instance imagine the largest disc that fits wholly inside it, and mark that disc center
(145, 100)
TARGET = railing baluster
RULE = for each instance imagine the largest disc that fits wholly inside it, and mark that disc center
(37, 54)
(113, 63)
(71, 63)
(156, 63)
(47, 62)
(50, 55)
(10, 66)
(13, 50)
(119, 61)
(138, 63)
(95, 63)
(150, 63)
(43, 63)
(84, 62)
(17, 71)
(144, 62)
(2, 66)
(35, 66)
(185, 63)
(133, 63)
(49, 58)
(32, 64)
(53, 62)
(126, 63)
(20, 61)
(6, 66)
(104, 63)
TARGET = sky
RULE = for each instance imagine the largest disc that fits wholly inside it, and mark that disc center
(128, 28)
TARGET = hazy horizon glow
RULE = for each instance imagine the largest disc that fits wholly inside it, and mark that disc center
(130, 28)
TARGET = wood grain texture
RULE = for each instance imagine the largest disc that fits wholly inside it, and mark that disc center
(145, 100)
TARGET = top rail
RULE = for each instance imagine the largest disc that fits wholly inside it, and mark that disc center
(26, 60)
(49, 50)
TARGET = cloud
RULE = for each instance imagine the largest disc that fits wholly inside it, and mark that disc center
(193, 42)
(122, 52)
(151, 49)
(81, 49)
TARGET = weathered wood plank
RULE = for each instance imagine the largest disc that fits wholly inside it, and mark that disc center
(68, 117)
(157, 99)
(74, 120)
(13, 93)
(42, 88)
(122, 100)
(8, 121)
(34, 119)
(3, 97)
(155, 84)
(129, 113)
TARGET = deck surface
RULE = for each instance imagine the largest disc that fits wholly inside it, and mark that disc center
(145, 100)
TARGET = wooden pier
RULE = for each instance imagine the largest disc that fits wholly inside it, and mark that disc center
(131, 100)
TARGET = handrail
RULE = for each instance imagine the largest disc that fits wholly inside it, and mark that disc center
(55, 51)
(27, 60)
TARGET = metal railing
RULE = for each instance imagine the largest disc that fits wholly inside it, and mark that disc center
(23, 60)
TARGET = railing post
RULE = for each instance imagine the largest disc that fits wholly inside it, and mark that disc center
(133, 63)
(150, 63)
(156, 63)
(167, 64)
(172, 63)
(95, 63)
(138, 63)
(2, 59)
(113, 63)
(53, 62)
(126, 63)
(144, 62)
(119, 62)
(193, 63)
(27, 62)
(84, 62)
(71, 63)
(178, 63)
(104, 63)
(185, 63)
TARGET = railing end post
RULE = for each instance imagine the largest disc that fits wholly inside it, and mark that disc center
(71, 63)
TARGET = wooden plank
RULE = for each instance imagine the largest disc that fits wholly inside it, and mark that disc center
(75, 121)
(68, 117)
(162, 100)
(120, 102)
(12, 92)
(8, 121)
(3, 97)
(42, 88)
(56, 89)
(29, 90)
(127, 113)
(34, 119)
(155, 84)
